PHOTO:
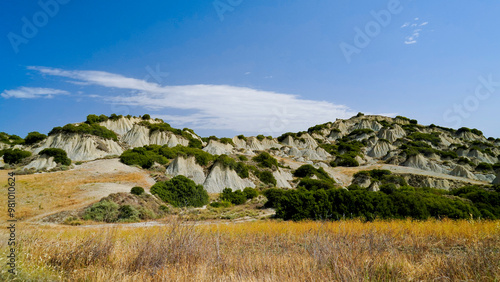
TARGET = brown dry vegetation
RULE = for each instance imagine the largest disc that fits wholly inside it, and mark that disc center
(265, 251)
(49, 192)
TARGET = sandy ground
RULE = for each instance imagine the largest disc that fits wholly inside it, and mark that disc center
(99, 179)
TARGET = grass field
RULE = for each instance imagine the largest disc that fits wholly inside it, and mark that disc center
(265, 250)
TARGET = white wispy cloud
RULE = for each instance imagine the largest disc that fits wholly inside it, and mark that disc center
(415, 34)
(213, 106)
(32, 93)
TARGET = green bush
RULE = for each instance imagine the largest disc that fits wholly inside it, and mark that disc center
(347, 161)
(250, 193)
(85, 128)
(274, 197)
(195, 143)
(14, 156)
(260, 137)
(146, 117)
(220, 204)
(239, 167)
(34, 137)
(243, 158)
(144, 157)
(128, 213)
(267, 177)
(181, 191)
(236, 198)
(91, 119)
(486, 167)
(105, 210)
(59, 155)
(137, 190)
(242, 137)
(264, 159)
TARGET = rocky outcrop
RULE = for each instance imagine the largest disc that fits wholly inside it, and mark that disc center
(497, 180)
(81, 147)
(392, 134)
(223, 177)
(380, 149)
(140, 136)
(368, 124)
(282, 178)
(120, 126)
(187, 167)
(217, 148)
(41, 163)
(461, 171)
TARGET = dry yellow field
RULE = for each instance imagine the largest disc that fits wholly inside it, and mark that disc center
(262, 251)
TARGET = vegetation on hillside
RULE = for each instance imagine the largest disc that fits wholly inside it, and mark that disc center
(181, 191)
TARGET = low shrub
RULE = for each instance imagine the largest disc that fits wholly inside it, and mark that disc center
(60, 156)
(106, 211)
(250, 193)
(137, 190)
(264, 159)
(14, 156)
(34, 137)
(236, 198)
(181, 191)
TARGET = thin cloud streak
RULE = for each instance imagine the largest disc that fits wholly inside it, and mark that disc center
(32, 93)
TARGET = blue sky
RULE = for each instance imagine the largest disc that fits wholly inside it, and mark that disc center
(239, 66)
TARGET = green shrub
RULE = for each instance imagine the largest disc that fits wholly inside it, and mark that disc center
(34, 137)
(310, 171)
(260, 137)
(146, 117)
(137, 190)
(242, 137)
(274, 197)
(226, 141)
(128, 213)
(484, 167)
(250, 193)
(388, 188)
(92, 119)
(243, 158)
(227, 162)
(236, 198)
(347, 161)
(181, 191)
(104, 210)
(430, 137)
(14, 156)
(220, 204)
(264, 159)
(85, 128)
(195, 143)
(144, 157)
(360, 131)
(59, 155)
(267, 177)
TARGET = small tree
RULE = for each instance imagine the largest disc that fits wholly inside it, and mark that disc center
(34, 137)
(137, 190)
(181, 191)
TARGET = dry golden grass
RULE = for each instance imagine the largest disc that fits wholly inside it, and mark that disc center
(265, 251)
(48, 192)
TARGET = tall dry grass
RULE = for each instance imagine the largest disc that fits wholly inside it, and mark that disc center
(266, 251)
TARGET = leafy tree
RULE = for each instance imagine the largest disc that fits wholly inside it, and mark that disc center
(15, 156)
(264, 159)
(236, 198)
(250, 193)
(60, 156)
(181, 191)
(137, 190)
(34, 137)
